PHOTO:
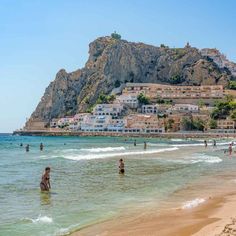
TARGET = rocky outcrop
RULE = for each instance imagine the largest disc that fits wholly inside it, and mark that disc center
(114, 62)
(220, 59)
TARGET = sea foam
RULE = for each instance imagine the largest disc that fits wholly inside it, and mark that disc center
(42, 219)
(105, 149)
(193, 203)
(117, 154)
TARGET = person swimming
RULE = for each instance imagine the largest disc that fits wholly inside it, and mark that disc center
(41, 146)
(45, 181)
(135, 142)
(121, 166)
(205, 143)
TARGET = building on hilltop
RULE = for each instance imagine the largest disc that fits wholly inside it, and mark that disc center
(154, 91)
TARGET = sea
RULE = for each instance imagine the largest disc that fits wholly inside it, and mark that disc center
(87, 187)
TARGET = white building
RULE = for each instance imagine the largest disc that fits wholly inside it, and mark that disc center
(113, 110)
(95, 123)
(185, 108)
(150, 109)
(116, 125)
(129, 100)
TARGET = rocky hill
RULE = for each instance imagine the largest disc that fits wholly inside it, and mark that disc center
(113, 62)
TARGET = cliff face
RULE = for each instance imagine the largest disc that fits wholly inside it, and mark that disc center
(114, 62)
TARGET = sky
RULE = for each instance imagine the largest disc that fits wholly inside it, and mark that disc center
(38, 38)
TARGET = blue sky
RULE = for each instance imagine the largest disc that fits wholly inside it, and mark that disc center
(37, 38)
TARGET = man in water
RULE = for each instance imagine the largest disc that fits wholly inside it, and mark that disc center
(45, 181)
(27, 148)
(135, 142)
(41, 146)
(214, 143)
(230, 149)
(145, 145)
(205, 143)
(121, 166)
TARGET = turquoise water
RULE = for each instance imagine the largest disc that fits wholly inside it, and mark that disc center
(86, 186)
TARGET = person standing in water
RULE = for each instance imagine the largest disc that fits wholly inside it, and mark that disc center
(214, 143)
(135, 142)
(27, 148)
(41, 146)
(230, 149)
(45, 181)
(145, 145)
(205, 143)
(121, 166)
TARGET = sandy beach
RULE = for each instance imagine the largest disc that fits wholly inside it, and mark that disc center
(215, 217)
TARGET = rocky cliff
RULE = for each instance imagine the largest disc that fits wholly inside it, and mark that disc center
(113, 62)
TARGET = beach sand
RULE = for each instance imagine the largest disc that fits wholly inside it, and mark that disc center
(215, 217)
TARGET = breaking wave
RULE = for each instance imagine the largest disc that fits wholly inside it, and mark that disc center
(106, 155)
(105, 149)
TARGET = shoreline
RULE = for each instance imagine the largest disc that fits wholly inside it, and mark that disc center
(119, 134)
(212, 218)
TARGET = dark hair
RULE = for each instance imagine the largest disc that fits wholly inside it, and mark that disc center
(47, 168)
(121, 159)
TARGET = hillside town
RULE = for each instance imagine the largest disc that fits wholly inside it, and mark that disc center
(152, 108)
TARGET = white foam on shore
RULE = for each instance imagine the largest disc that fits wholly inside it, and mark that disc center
(205, 158)
(42, 219)
(177, 140)
(105, 149)
(107, 155)
(193, 203)
(197, 158)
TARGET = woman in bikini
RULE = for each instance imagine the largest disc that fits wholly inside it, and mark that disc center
(45, 182)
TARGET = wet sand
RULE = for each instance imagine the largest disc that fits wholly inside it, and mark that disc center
(215, 217)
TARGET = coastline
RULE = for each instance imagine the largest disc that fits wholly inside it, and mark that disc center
(119, 134)
(215, 217)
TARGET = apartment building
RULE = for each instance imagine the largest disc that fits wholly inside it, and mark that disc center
(185, 108)
(144, 123)
(226, 124)
(150, 109)
(174, 92)
(95, 123)
(127, 99)
(113, 110)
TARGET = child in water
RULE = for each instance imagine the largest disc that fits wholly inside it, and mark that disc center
(121, 166)
(45, 182)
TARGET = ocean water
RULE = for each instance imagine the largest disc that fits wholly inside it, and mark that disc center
(86, 186)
